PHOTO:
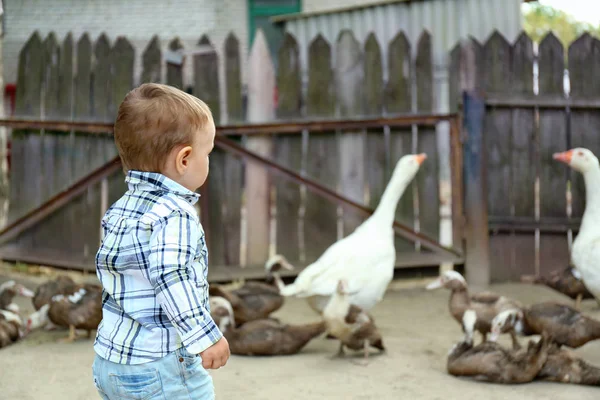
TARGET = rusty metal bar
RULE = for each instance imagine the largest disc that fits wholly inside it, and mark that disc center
(279, 127)
(403, 230)
(38, 214)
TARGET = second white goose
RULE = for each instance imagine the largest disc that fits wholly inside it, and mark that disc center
(586, 246)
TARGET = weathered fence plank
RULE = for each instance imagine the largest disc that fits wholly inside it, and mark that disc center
(554, 249)
(288, 151)
(27, 144)
(152, 62)
(398, 99)
(584, 75)
(261, 108)
(454, 89)
(102, 83)
(349, 87)
(82, 142)
(206, 88)
(175, 64)
(497, 72)
(65, 102)
(123, 56)
(234, 168)
(522, 160)
(206, 78)
(320, 222)
(377, 162)
(49, 181)
(428, 177)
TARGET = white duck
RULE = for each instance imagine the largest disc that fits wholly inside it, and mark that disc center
(585, 253)
(365, 259)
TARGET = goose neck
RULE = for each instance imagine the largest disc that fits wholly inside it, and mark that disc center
(386, 209)
(591, 215)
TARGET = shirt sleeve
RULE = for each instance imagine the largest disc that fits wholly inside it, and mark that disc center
(179, 289)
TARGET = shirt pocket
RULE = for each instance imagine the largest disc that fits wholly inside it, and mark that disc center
(137, 386)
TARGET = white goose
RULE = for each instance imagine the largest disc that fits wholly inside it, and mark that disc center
(585, 253)
(365, 259)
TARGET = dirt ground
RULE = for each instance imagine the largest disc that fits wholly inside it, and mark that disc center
(417, 329)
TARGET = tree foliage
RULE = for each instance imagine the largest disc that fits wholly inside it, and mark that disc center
(539, 19)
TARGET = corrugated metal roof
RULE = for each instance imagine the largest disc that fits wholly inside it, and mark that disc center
(447, 20)
(299, 15)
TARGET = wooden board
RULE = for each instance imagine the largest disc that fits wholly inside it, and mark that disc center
(320, 219)
(584, 74)
(102, 87)
(377, 163)
(27, 143)
(46, 233)
(552, 139)
(349, 87)
(81, 142)
(49, 179)
(123, 56)
(428, 178)
(454, 84)
(523, 165)
(206, 88)
(497, 126)
(498, 141)
(288, 152)
(511, 255)
(64, 145)
(398, 99)
(175, 71)
(152, 62)
(234, 168)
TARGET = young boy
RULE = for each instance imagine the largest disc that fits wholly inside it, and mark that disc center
(157, 338)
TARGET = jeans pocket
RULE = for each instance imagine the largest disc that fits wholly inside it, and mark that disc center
(137, 386)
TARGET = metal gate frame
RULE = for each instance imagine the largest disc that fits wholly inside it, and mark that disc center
(454, 254)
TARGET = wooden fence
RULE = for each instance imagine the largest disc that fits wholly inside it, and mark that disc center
(533, 211)
(247, 213)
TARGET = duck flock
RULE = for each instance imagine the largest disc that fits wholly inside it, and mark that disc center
(352, 276)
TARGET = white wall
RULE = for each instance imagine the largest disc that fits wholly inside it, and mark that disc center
(138, 20)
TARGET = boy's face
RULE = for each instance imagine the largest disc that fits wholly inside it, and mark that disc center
(197, 169)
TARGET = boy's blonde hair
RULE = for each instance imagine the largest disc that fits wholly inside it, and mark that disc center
(152, 120)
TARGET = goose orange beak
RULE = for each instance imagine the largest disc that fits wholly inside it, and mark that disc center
(564, 157)
(420, 158)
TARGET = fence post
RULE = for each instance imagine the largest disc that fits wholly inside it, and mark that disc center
(477, 259)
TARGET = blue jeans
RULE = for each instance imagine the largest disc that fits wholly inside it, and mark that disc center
(179, 375)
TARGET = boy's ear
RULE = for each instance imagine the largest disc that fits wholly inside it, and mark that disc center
(182, 158)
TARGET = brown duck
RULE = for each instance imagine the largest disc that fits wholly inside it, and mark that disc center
(354, 327)
(567, 326)
(485, 304)
(262, 337)
(564, 366)
(566, 281)
(254, 300)
(61, 285)
(8, 291)
(491, 362)
(81, 310)
(10, 328)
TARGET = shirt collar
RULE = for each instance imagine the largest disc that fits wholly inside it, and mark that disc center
(154, 181)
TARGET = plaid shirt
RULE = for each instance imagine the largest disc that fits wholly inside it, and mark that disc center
(152, 264)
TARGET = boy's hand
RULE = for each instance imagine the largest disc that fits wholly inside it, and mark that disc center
(216, 356)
